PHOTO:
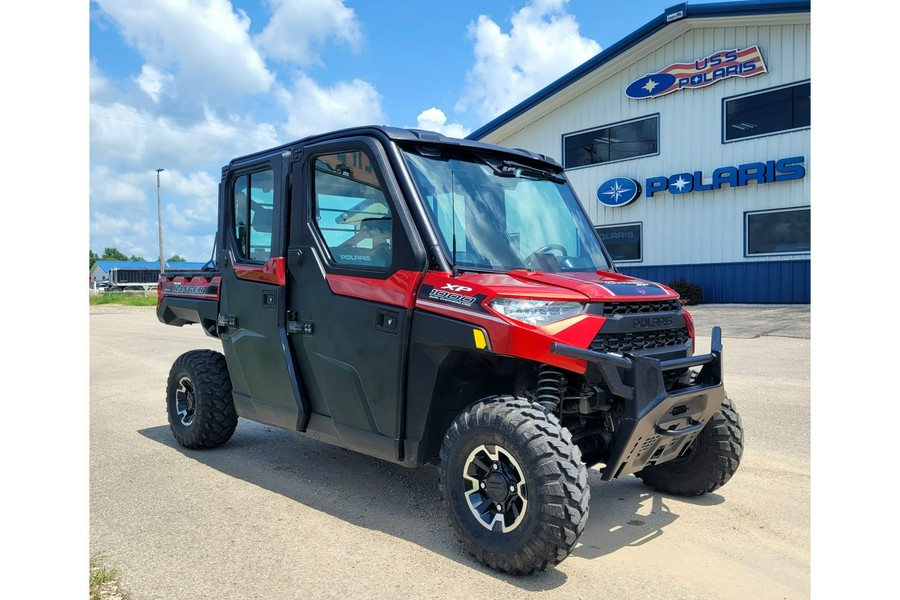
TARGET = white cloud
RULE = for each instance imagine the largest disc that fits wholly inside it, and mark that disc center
(182, 111)
(124, 212)
(110, 190)
(434, 119)
(297, 26)
(542, 45)
(152, 81)
(205, 44)
(315, 109)
(126, 137)
(100, 86)
(116, 231)
(128, 145)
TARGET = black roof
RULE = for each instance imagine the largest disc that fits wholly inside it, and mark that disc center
(395, 134)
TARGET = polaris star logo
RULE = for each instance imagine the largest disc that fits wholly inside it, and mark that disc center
(618, 191)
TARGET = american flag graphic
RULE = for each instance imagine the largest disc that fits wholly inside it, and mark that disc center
(699, 73)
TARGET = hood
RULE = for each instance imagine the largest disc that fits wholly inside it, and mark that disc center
(599, 286)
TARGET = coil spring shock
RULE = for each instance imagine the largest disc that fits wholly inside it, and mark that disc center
(550, 385)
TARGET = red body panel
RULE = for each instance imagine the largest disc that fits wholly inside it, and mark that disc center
(399, 289)
(514, 338)
(271, 272)
(196, 286)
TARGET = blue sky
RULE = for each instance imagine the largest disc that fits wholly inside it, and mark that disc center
(185, 85)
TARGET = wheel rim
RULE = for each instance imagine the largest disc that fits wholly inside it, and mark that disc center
(496, 490)
(185, 401)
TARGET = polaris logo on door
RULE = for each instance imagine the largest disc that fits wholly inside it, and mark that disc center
(618, 191)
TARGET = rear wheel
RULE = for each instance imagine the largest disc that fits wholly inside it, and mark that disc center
(514, 485)
(198, 400)
(708, 463)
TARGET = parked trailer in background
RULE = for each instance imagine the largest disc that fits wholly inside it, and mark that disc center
(133, 279)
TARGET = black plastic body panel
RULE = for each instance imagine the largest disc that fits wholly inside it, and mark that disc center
(447, 372)
(179, 311)
(656, 425)
(351, 350)
(253, 329)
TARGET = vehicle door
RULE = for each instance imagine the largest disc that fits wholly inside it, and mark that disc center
(251, 321)
(355, 263)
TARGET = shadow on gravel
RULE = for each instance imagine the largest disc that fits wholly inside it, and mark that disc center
(371, 493)
(626, 513)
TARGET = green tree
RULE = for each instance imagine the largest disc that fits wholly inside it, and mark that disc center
(137, 258)
(113, 254)
(94, 258)
(177, 258)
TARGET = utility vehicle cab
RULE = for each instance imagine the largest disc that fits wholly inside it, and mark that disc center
(424, 299)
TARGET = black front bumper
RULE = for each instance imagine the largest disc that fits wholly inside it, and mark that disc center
(657, 425)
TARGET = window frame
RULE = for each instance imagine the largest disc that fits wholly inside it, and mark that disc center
(607, 126)
(617, 261)
(749, 213)
(776, 88)
(315, 228)
(234, 177)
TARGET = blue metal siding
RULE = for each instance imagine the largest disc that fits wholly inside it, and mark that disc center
(770, 282)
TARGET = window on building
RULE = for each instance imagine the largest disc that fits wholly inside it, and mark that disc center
(623, 242)
(610, 143)
(764, 113)
(253, 196)
(352, 214)
(777, 232)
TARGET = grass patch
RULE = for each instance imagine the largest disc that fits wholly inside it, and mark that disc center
(104, 581)
(127, 298)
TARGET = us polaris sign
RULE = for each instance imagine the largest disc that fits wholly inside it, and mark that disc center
(785, 169)
(618, 191)
(702, 72)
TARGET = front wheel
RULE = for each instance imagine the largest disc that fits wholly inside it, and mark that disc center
(514, 485)
(198, 400)
(708, 463)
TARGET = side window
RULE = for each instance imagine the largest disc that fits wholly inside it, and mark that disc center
(768, 112)
(351, 212)
(253, 196)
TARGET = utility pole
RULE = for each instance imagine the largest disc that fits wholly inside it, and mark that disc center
(162, 260)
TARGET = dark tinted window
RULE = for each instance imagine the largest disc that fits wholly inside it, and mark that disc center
(611, 143)
(774, 111)
(622, 241)
(778, 232)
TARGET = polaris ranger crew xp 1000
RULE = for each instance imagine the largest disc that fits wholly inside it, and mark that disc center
(423, 299)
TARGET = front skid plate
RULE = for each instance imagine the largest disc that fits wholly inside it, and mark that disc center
(664, 432)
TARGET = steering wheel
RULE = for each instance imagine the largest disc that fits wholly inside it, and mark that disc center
(545, 249)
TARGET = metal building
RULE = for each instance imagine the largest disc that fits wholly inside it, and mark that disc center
(689, 143)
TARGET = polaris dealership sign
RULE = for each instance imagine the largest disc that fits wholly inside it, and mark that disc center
(702, 72)
(621, 191)
(785, 169)
(618, 191)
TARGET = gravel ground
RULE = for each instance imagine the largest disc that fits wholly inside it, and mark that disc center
(273, 514)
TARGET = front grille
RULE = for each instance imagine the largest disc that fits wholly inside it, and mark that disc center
(640, 308)
(639, 340)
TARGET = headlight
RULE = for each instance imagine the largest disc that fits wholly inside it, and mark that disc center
(536, 312)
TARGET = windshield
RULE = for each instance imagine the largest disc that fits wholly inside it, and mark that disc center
(496, 214)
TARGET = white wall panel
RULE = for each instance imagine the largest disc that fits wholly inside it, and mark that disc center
(698, 227)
